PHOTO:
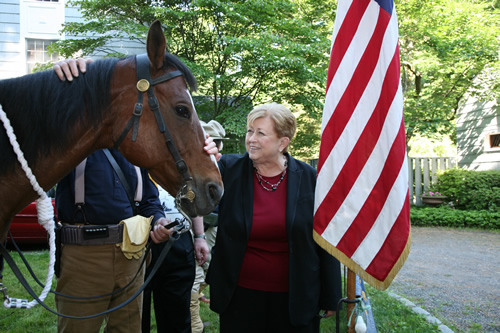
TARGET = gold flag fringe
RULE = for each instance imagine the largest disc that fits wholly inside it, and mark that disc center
(353, 266)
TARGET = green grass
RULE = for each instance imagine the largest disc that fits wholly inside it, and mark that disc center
(390, 315)
(36, 319)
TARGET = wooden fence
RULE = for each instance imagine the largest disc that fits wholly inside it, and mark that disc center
(422, 173)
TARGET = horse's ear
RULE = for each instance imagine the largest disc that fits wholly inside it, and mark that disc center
(156, 45)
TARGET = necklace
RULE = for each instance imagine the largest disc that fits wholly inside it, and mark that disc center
(261, 179)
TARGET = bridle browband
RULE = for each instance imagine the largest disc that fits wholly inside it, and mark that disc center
(145, 84)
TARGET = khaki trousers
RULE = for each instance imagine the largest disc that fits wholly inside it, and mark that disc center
(196, 322)
(97, 270)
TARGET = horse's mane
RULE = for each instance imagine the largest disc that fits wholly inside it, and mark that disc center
(173, 61)
(43, 110)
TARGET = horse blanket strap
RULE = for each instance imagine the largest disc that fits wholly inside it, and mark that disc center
(91, 234)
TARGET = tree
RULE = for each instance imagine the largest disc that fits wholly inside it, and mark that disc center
(444, 46)
(242, 52)
(257, 51)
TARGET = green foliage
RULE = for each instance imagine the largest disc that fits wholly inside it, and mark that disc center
(246, 53)
(471, 190)
(243, 53)
(434, 145)
(444, 46)
(445, 216)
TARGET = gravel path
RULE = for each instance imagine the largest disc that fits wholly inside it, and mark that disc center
(454, 275)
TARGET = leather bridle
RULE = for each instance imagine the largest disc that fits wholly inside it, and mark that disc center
(145, 84)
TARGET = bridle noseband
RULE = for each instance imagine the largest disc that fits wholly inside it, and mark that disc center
(145, 84)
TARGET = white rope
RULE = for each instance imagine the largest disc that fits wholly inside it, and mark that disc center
(45, 212)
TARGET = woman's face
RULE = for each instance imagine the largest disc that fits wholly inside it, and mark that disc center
(262, 142)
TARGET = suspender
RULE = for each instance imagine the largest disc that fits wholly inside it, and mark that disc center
(80, 183)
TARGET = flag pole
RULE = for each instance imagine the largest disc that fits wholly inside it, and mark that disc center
(351, 297)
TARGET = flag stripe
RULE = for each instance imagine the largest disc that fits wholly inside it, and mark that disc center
(347, 213)
(354, 14)
(381, 266)
(345, 143)
(340, 82)
(361, 209)
(372, 206)
(343, 83)
(385, 218)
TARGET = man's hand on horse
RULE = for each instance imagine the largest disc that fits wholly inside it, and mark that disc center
(69, 68)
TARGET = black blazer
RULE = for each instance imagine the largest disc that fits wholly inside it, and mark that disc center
(314, 275)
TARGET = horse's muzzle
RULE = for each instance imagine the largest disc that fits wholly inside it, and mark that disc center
(194, 203)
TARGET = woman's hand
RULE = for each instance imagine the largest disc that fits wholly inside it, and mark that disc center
(69, 68)
(328, 313)
(211, 148)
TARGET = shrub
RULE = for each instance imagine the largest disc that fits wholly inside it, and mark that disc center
(471, 190)
(447, 217)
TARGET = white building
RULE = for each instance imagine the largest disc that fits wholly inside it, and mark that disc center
(478, 133)
(28, 26)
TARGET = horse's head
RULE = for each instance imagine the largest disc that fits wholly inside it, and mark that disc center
(168, 138)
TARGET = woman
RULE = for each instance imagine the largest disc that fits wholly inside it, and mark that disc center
(267, 273)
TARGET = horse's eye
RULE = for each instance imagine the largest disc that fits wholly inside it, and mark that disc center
(182, 111)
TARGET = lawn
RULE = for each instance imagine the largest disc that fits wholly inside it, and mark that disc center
(390, 315)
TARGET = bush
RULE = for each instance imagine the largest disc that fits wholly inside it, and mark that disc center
(447, 217)
(471, 190)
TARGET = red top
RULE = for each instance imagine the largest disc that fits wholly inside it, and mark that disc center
(265, 265)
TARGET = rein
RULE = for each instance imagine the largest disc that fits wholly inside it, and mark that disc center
(145, 84)
(25, 284)
(45, 213)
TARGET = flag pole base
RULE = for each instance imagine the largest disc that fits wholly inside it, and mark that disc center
(348, 301)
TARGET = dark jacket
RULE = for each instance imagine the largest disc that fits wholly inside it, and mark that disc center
(106, 201)
(314, 275)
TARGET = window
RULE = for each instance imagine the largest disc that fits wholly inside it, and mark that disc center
(36, 53)
(494, 140)
(48, 0)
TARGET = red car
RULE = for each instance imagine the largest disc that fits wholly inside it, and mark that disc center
(25, 228)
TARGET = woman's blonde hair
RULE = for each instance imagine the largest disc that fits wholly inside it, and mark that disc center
(285, 123)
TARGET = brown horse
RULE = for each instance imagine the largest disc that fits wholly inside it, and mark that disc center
(58, 124)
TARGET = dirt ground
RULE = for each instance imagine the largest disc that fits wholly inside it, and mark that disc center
(454, 275)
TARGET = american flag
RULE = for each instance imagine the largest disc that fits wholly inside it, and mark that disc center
(362, 207)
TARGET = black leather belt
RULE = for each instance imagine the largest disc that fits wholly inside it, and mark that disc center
(85, 234)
